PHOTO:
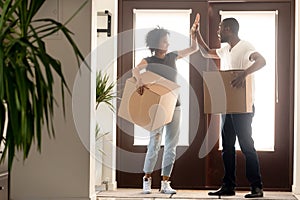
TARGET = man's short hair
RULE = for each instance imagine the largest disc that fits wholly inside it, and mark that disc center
(232, 23)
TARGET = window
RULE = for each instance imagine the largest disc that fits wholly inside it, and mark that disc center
(260, 29)
(178, 23)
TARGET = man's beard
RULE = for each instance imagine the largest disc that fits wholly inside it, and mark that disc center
(223, 40)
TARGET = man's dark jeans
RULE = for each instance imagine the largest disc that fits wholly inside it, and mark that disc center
(239, 125)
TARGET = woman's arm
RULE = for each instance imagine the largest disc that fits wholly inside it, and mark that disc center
(205, 50)
(137, 75)
(193, 48)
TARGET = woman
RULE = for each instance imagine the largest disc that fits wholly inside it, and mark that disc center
(163, 63)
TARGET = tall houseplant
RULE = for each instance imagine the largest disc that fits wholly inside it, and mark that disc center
(27, 73)
(104, 94)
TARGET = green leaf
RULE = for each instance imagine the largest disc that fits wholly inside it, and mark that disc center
(27, 74)
(104, 90)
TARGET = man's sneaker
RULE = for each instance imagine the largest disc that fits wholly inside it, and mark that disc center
(147, 185)
(223, 191)
(166, 188)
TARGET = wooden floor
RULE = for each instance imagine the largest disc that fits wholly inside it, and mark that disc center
(135, 194)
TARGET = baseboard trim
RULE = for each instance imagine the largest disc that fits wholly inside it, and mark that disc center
(112, 185)
(93, 197)
(56, 198)
(296, 189)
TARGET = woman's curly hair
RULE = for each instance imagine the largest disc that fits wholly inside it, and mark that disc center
(153, 38)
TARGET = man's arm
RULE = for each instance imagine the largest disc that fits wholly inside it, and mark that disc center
(259, 62)
(204, 48)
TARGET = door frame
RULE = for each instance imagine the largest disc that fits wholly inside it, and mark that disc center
(289, 77)
(126, 62)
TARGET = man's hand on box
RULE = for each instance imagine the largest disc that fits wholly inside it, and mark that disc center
(239, 80)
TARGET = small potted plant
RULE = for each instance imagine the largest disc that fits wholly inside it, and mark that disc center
(104, 90)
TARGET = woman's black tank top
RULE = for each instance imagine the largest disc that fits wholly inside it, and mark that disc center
(165, 67)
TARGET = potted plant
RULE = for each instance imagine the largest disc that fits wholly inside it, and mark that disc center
(27, 73)
(104, 90)
(104, 95)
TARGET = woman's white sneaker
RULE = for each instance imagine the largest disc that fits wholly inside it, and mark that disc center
(147, 185)
(166, 188)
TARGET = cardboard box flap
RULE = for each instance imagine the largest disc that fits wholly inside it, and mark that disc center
(149, 77)
(158, 89)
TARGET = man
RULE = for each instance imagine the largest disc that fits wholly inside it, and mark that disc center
(237, 54)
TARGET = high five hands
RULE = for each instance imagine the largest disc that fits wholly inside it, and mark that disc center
(195, 26)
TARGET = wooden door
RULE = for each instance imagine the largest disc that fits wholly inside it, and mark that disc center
(187, 158)
(277, 165)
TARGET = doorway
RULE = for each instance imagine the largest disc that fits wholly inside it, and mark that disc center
(206, 172)
(282, 154)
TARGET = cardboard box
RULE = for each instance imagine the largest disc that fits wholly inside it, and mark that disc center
(155, 107)
(221, 97)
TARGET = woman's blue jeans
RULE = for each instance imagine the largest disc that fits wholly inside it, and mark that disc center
(239, 125)
(171, 141)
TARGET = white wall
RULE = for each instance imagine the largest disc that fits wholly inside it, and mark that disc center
(296, 184)
(62, 169)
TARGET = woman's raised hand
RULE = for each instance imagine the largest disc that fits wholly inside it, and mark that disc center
(195, 26)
